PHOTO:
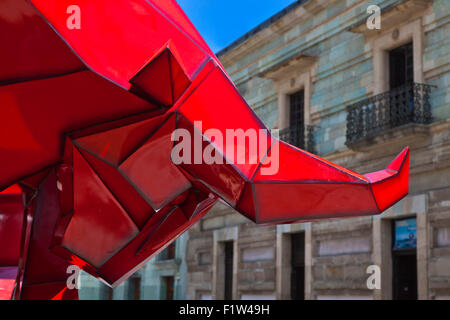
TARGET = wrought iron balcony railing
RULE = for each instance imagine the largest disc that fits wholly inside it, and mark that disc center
(301, 137)
(403, 105)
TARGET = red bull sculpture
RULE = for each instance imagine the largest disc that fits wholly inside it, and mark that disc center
(107, 110)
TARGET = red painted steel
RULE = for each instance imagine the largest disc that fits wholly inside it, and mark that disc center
(86, 123)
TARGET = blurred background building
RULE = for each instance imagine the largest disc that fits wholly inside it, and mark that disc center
(355, 96)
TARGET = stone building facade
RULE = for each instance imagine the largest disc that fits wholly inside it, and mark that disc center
(355, 96)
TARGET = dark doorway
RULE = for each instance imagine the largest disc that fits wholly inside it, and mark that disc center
(405, 276)
(401, 66)
(404, 260)
(401, 78)
(134, 288)
(169, 284)
(228, 247)
(298, 266)
(297, 118)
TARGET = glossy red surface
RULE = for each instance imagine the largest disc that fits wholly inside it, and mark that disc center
(222, 179)
(125, 39)
(113, 227)
(321, 200)
(35, 51)
(49, 291)
(33, 121)
(86, 121)
(44, 273)
(225, 114)
(296, 165)
(151, 170)
(136, 206)
(11, 225)
(116, 145)
(7, 281)
(11, 220)
(162, 79)
(391, 185)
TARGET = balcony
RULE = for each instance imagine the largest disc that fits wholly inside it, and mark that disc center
(300, 137)
(381, 114)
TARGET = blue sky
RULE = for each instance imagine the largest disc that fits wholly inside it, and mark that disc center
(222, 21)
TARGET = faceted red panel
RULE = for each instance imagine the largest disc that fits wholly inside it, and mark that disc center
(46, 291)
(380, 175)
(117, 144)
(162, 80)
(150, 170)
(11, 219)
(134, 34)
(297, 165)
(155, 80)
(35, 180)
(197, 202)
(286, 202)
(7, 281)
(40, 264)
(13, 190)
(227, 113)
(246, 204)
(35, 115)
(129, 198)
(99, 226)
(223, 179)
(34, 49)
(401, 160)
(180, 81)
(127, 261)
(392, 184)
(193, 198)
(208, 67)
(169, 227)
(200, 209)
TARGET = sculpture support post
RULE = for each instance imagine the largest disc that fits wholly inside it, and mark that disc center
(42, 275)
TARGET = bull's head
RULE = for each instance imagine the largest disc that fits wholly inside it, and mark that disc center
(91, 119)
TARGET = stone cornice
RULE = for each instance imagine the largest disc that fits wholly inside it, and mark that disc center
(393, 15)
(271, 32)
(288, 49)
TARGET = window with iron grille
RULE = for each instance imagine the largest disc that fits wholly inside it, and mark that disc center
(295, 134)
(401, 76)
(401, 66)
(406, 101)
